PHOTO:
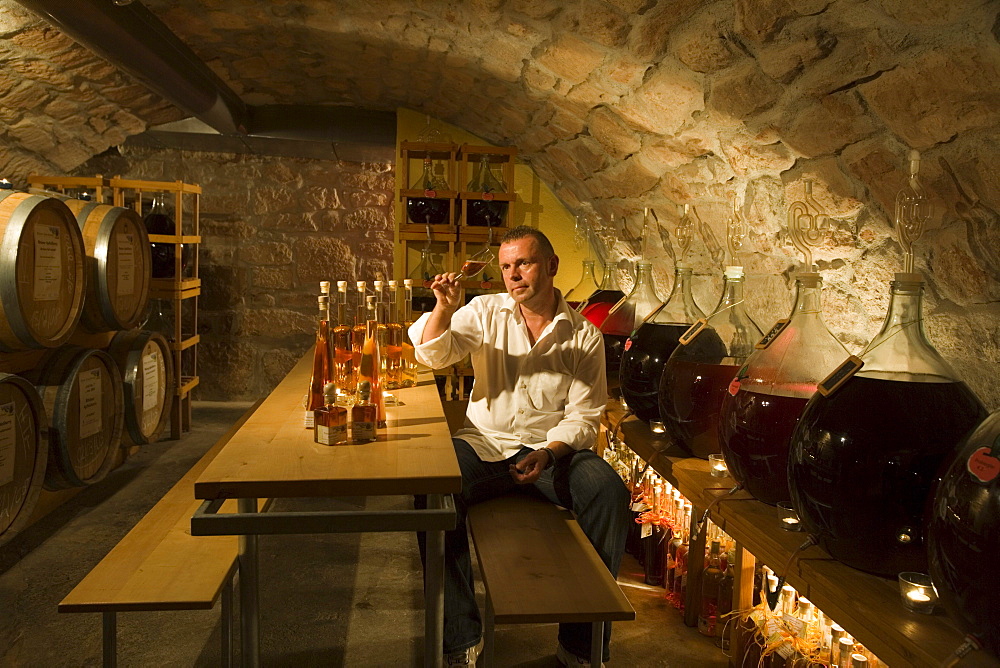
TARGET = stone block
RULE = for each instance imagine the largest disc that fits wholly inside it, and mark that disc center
(26, 95)
(536, 9)
(931, 12)
(760, 20)
(665, 101)
(272, 278)
(34, 134)
(748, 157)
(362, 199)
(605, 25)
(743, 91)
(227, 369)
(222, 287)
(276, 322)
(266, 253)
(320, 197)
(860, 53)
(705, 44)
(588, 154)
(879, 163)
(264, 201)
(368, 219)
(299, 222)
(931, 98)
(277, 362)
(571, 58)
(784, 59)
(827, 125)
(628, 178)
(653, 29)
(320, 258)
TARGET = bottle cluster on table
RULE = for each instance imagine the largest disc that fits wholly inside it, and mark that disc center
(362, 353)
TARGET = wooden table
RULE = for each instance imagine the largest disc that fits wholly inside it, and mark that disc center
(274, 456)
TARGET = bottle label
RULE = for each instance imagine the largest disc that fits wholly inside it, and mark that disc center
(778, 328)
(647, 530)
(488, 197)
(307, 420)
(322, 435)
(430, 193)
(628, 344)
(693, 331)
(840, 375)
(338, 434)
(363, 432)
(983, 465)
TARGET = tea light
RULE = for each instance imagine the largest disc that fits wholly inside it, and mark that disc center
(717, 465)
(657, 427)
(917, 592)
(789, 518)
(6, 185)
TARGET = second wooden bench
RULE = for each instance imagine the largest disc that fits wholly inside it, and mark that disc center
(538, 566)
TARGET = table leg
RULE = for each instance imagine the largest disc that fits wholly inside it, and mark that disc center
(434, 592)
(596, 643)
(249, 608)
(109, 637)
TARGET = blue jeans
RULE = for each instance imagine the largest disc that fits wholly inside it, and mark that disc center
(582, 482)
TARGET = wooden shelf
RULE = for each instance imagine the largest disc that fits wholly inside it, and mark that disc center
(867, 606)
(174, 239)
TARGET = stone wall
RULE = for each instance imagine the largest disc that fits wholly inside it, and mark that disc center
(271, 228)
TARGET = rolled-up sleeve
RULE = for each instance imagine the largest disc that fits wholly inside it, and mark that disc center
(586, 398)
(463, 337)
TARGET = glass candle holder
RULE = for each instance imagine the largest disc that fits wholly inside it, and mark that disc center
(717, 465)
(789, 518)
(917, 592)
(656, 427)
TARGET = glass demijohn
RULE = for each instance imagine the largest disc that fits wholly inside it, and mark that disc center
(626, 316)
(429, 209)
(596, 307)
(698, 373)
(586, 286)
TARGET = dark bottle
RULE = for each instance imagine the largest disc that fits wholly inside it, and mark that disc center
(963, 534)
(763, 404)
(865, 457)
(596, 307)
(653, 542)
(698, 374)
(486, 211)
(159, 221)
(711, 577)
(649, 347)
(429, 209)
(626, 316)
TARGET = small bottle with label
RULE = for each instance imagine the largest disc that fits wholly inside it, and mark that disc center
(330, 420)
(364, 415)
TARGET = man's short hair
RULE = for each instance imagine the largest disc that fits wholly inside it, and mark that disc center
(524, 231)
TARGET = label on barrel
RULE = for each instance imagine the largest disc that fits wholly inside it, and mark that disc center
(90, 402)
(8, 442)
(48, 263)
(125, 245)
(150, 380)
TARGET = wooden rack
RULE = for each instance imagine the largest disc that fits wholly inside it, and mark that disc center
(867, 606)
(184, 338)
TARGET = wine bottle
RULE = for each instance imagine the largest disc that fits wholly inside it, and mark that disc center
(364, 415)
(321, 363)
(344, 371)
(330, 420)
(710, 579)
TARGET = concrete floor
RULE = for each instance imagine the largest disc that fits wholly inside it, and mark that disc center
(335, 600)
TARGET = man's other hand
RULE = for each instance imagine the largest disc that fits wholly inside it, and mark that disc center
(528, 469)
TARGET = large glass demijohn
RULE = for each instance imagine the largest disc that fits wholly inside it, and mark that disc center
(626, 316)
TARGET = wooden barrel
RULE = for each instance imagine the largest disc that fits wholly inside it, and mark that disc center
(23, 453)
(81, 390)
(146, 365)
(42, 279)
(118, 265)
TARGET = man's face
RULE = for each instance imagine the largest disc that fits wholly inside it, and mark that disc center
(527, 273)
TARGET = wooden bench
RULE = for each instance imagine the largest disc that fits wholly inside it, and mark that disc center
(538, 566)
(159, 565)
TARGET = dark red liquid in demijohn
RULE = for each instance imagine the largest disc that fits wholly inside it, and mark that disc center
(162, 255)
(754, 432)
(690, 393)
(864, 460)
(427, 210)
(963, 534)
(598, 304)
(643, 358)
(486, 213)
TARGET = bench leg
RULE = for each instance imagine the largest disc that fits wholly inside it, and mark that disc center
(434, 591)
(596, 643)
(227, 624)
(249, 602)
(109, 632)
(489, 624)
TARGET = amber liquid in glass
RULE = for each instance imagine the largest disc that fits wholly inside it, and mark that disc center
(472, 268)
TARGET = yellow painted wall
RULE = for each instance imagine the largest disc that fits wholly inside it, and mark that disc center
(536, 205)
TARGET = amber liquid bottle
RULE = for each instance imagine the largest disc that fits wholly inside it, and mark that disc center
(343, 356)
(364, 415)
(370, 365)
(711, 577)
(360, 329)
(393, 363)
(321, 363)
(408, 360)
(330, 420)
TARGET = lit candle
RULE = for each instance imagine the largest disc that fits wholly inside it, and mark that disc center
(918, 596)
(717, 466)
(917, 592)
(790, 521)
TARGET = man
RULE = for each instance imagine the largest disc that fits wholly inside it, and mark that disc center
(533, 416)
